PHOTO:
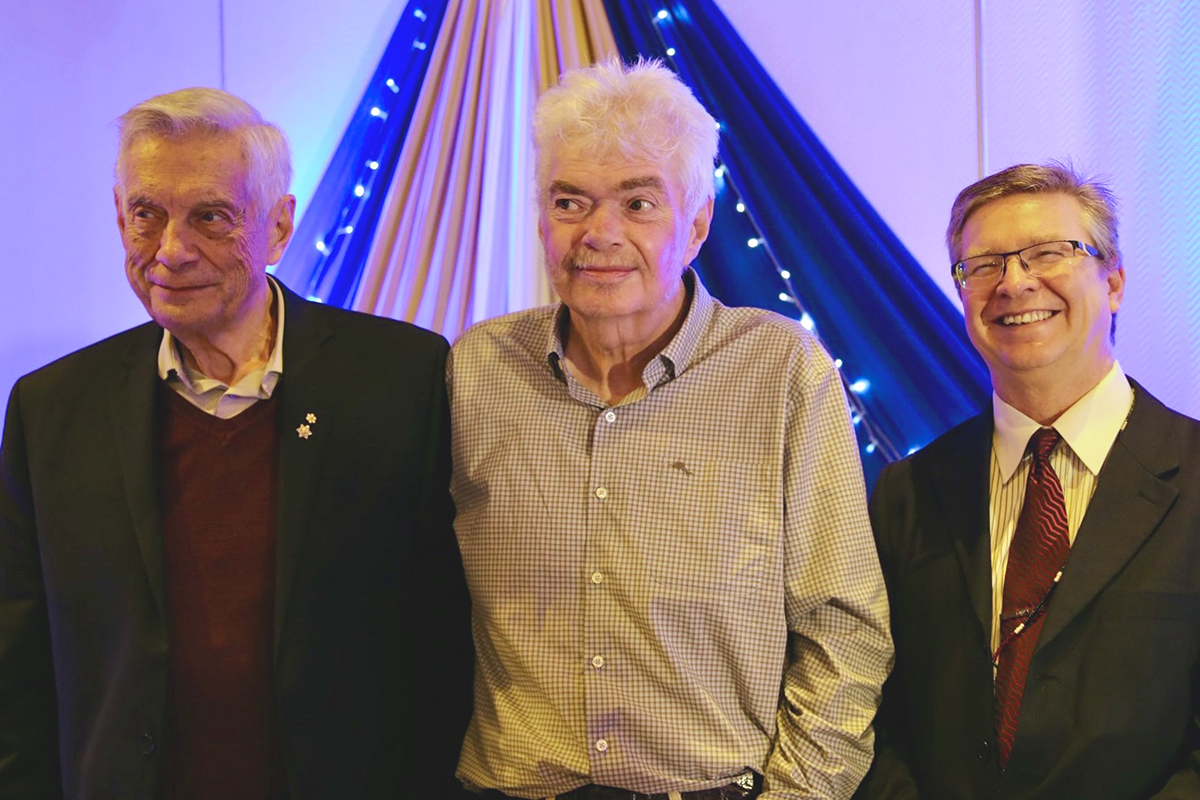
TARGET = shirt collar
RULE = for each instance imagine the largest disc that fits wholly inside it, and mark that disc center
(1089, 427)
(172, 366)
(673, 359)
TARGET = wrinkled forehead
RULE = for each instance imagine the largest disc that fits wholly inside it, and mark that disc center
(195, 160)
(606, 160)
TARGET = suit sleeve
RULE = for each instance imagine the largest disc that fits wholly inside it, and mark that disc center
(450, 645)
(839, 649)
(1184, 783)
(28, 705)
(890, 777)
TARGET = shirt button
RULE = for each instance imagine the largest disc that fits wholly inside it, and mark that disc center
(597, 577)
(601, 745)
(597, 661)
(610, 416)
(602, 493)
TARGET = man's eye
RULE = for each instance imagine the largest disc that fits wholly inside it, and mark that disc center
(211, 216)
(984, 267)
(566, 204)
(640, 205)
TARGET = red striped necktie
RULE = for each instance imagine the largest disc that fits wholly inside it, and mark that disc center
(1039, 550)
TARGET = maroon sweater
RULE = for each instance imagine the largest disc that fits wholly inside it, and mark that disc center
(218, 493)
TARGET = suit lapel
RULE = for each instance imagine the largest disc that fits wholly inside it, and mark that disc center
(1130, 499)
(960, 481)
(133, 399)
(304, 391)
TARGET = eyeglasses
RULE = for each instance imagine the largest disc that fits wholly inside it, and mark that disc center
(1039, 260)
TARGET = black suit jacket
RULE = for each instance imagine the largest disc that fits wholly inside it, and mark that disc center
(373, 657)
(1113, 694)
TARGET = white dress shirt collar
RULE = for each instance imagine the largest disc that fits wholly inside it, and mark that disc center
(1089, 427)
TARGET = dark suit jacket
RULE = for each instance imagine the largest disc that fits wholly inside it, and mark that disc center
(372, 636)
(1111, 703)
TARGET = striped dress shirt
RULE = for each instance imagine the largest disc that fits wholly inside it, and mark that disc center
(1088, 429)
(675, 589)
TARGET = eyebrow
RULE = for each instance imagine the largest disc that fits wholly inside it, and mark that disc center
(207, 202)
(646, 182)
(562, 187)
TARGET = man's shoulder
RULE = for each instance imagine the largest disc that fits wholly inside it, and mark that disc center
(966, 442)
(366, 326)
(525, 331)
(771, 334)
(92, 363)
(1154, 431)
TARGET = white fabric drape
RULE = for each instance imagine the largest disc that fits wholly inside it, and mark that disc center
(457, 238)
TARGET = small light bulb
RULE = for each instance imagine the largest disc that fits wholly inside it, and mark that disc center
(376, 111)
(671, 53)
(372, 165)
(359, 190)
(662, 14)
(741, 207)
(348, 229)
(837, 362)
(806, 322)
(418, 44)
(419, 14)
(870, 448)
(785, 297)
(315, 299)
(718, 172)
(321, 246)
(783, 273)
(391, 84)
(912, 450)
(752, 243)
(860, 386)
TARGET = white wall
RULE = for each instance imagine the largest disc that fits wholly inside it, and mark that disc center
(889, 87)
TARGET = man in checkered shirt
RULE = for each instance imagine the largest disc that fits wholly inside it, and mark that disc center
(660, 502)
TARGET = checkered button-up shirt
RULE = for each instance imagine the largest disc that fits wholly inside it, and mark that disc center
(673, 589)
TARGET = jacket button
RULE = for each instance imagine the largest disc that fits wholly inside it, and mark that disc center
(146, 744)
(985, 750)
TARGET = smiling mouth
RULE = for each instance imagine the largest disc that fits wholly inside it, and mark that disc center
(1027, 318)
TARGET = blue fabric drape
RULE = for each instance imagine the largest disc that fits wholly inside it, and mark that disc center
(873, 304)
(332, 239)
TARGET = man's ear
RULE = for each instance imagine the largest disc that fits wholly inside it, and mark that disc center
(698, 231)
(1116, 288)
(282, 226)
(120, 210)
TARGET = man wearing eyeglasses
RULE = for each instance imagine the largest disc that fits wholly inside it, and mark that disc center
(1043, 558)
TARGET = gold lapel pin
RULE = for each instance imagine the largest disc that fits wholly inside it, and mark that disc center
(304, 431)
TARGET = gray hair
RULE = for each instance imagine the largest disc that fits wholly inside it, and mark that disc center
(212, 111)
(1097, 200)
(640, 110)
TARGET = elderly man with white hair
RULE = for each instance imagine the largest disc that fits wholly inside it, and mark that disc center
(227, 566)
(660, 503)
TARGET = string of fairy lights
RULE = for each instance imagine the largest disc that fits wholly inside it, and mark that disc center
(876, 440)
(332, 242)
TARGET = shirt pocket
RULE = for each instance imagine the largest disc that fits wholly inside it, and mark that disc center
(719, 527)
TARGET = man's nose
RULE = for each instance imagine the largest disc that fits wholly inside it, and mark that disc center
(175, 250)
(1015, 277)
(603, 227)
